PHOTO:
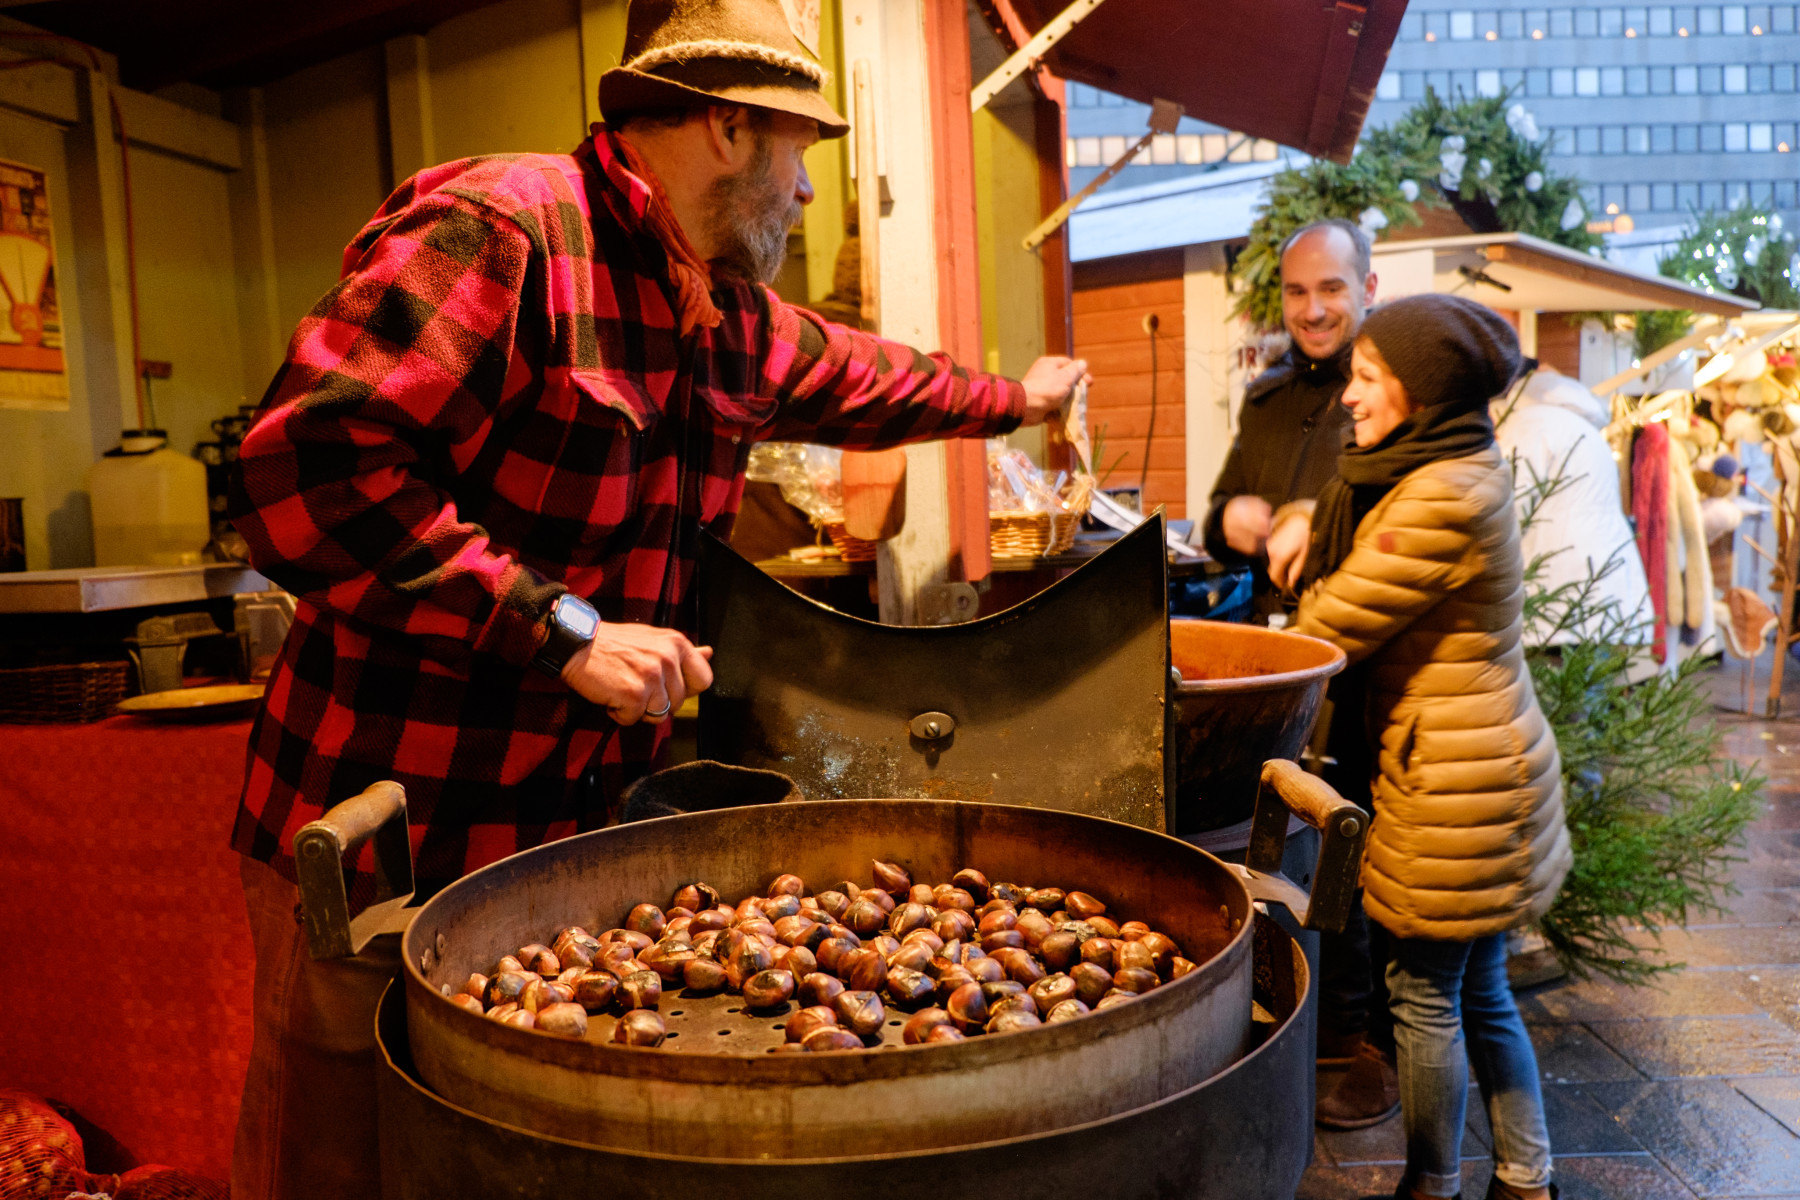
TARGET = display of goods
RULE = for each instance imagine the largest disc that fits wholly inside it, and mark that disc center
(963, 958)
(168, 1183)
(41, 1156)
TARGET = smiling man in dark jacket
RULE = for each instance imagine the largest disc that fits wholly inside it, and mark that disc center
(1291, 427)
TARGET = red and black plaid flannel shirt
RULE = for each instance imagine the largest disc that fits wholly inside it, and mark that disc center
(494, 405)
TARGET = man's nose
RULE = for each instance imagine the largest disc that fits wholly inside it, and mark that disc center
(803, 188)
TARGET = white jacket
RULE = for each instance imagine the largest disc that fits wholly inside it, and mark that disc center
(1551, 425)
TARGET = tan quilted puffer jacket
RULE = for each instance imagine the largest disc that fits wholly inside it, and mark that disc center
(1468, 837)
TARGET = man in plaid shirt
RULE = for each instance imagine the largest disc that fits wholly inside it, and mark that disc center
(537, 382)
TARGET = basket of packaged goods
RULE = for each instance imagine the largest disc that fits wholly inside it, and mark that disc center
(1032, 513)
(61, 693)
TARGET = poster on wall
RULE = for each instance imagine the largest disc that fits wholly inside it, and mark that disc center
(32, 371)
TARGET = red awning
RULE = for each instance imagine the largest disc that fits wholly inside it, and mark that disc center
(1298, 72)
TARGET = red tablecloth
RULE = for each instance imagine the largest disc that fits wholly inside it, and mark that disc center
(122, 918)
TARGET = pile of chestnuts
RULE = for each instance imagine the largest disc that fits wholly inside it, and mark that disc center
(963, 958)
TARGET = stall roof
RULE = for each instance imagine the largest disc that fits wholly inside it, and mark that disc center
(1518, 271)
(1216, 206)
(1299, 72)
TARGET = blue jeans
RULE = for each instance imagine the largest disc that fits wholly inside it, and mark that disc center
(1439, 991)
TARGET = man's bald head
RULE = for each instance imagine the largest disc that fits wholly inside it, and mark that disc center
(1326, 286)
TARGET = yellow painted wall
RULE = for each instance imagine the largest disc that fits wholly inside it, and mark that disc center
(1012, 278)
(507, 79)
(828, 165)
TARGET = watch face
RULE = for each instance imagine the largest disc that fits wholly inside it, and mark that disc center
(578, 617)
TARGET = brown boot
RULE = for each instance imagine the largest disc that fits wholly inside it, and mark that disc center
(1338, 1049)
(1367, 1095)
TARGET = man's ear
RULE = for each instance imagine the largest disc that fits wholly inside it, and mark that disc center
(730, 127)
(1369, 290)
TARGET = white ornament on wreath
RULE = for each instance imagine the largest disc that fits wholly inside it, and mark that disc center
(1534, 181)
(1573, 214)
(1409, 189)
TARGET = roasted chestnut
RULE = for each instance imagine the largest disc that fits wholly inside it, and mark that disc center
(1113, 999)
(507, 963)
(1002, 939)
(1019, 966)
(1067, 1010)
(519, 1018)
(640, 1027)
(968, 1007)
(880, 899)
(745, 959)
(594, 990)
(1012, 893)
(1137, 980)
(784, 905)
(831, 1037)
(1133, 954)
(1106, 927)
(957, 898)
(1180, 966)
(830, 953)
(640, 989)
(885, 943)
(794, 930)
(863, 970)
(788, 1048)
(614, 956)
(507, 986)
(646, 919)
(696, 897)
(994, 992)
(994, 905)
(1046, 899)
(926, 936)
(953, 924)
(891, 878)
(1013, 1020)
(912, 955)
(808, 1019)
(859, 1011)
(1061, 950)
(500, 1012)
(971, 881)
(819, 988)
(996, 920)
(1081, 906)
(1163, 951)
(921, 893)
(1131, 931)
(541, 993)
(710, 921)
(919, 1026)
(564, 1020)
(864, 917)
(1091, 982)
(984, 969)
(1098, 951)
(668, 960)
(703, 975)
(1051, 991)
(907, 987)
(749, 906)
(768, 989)
(908, 917)
(944, 1033)
(630, 937)
(464, 1000)
(833, 903)
(1034, 927)
(797, 961)
(788, 885)
(476, 984)
(576, 949)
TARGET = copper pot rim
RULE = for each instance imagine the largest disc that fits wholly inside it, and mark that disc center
(643, 1062)
(1271, 682)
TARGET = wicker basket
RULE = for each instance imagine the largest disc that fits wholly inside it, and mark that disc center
(850, 548)
(1031, 534)
(67, 694)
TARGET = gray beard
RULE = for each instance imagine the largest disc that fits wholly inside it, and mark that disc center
(749, 220)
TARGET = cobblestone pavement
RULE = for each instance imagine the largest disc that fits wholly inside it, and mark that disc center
(1684, 1090)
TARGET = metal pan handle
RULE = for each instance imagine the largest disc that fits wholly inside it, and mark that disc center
(1342, 825)
(319, 849)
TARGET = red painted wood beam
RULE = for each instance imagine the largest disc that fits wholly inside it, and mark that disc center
(959, 267)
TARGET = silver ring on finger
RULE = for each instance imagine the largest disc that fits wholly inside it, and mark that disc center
(657, 714)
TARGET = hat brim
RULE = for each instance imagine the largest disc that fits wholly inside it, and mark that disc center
(624, 91)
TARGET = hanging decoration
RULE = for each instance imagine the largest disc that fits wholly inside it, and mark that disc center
(33, 373)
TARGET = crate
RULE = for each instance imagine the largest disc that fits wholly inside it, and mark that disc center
(71, 693)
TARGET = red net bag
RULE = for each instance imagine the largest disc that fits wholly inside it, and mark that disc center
(168, 1183)
(41, 1157)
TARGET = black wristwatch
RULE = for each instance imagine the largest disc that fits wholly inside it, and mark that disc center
(571, 625)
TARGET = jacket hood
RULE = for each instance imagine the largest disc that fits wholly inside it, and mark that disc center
(1552, 390)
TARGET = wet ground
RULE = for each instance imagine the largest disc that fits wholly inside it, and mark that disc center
(1684, 1090)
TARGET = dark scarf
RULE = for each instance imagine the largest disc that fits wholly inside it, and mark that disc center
(1364, 476)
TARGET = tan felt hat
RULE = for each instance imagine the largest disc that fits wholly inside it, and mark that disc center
(686, 53)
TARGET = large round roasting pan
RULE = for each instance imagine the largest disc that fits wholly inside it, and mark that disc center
(715, 1091)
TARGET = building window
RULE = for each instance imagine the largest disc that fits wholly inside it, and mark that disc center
(1762, 191)
(1587, 22)
(1709, 22)
(1439, 82)
(1736, 80)
(1684, 20)
(1734, 20)
(1415, 85)
(1637, 139)
(1662, 22)
(1737, 137)
(1638, 20)
(1637, 197)
(1436, 29)
(1086, 151)
(1637, 81)
(1762, 137)
(1266, 151)
(1687, 139)
(1213, 146)
(1562, 81)
(1162, 150)
(1562, 23)
(1711, 80)
(1587, 140)
(1712, 139)
(1587, 81)
(1612, 81)
(1112, 148)
(1759, 19)
(1187, 149)
(1462, 26)
(1389, 87)
(1612, 22)
(1782, 19)
(1662, 196)
(1712, 195)
(1737, 194)
(1537, 82)
(1662, 81)
(1662, 139)
(1412, 28)
(1781, 77)
(1512, 25)
(1612, 139)
(1687, 81)
(1512, 80)
(1613, 196)
(1462, 82)
(1784, 137)
(1687, 196)
(1784, 193)
(1487, 83)
(1487, 25)
(1759, 77)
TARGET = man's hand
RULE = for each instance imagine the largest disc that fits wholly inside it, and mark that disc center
(1048, 384)
(1246, 524)
(639, 672)
(1287, 551)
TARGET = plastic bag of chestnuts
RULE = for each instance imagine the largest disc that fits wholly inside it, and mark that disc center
(963, 958)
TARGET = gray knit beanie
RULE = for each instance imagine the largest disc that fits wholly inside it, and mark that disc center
(1444, 349)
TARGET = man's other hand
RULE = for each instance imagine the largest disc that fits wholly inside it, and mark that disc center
(1287, 551)
(639, 672)
(1048, 384)
(1246, 524)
